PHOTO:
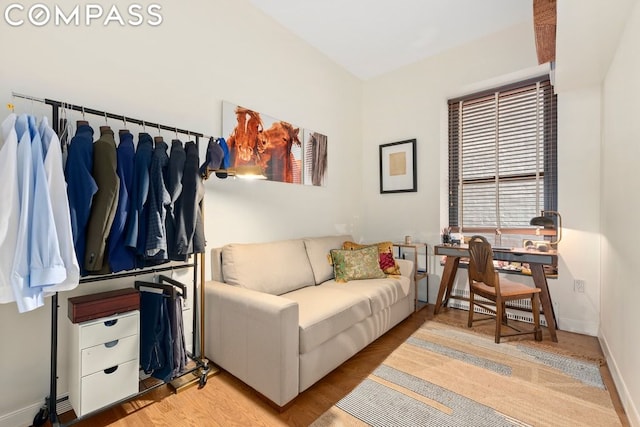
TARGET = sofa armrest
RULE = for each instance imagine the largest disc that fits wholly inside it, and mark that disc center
(254, 336)
(406, 267)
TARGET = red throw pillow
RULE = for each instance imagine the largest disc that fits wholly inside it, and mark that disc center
(386, 261)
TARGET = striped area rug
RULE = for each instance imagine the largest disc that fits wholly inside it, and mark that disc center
(445, 376)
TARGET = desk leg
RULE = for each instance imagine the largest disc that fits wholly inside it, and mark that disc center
(446, 283)
(540, 280)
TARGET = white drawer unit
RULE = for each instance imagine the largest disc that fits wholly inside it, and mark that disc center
(104, 361)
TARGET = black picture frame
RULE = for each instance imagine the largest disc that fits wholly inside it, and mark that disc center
(398, 167)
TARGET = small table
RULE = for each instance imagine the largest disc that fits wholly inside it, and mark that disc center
(417, 274)
(536, 260)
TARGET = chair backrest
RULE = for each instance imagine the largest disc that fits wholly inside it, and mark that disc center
(481, 262)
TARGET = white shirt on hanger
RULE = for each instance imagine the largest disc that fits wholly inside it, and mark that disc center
(11, 210)
(60, 206)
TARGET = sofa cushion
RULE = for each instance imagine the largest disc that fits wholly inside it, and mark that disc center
(356, 264)
(385, 254)
(274, 267)
(382, 293)
(318, 251)
(325, 312)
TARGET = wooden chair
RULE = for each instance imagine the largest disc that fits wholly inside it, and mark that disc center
(485, 282)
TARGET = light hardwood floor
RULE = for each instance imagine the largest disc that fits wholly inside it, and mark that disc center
(225, 401)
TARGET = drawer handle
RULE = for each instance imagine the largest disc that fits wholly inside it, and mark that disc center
(111, 343)
(111, 370)
(110, 322)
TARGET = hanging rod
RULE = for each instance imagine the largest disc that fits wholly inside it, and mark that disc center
(120, 117)
(133, 273)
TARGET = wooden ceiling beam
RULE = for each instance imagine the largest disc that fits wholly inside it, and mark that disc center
(544, 22)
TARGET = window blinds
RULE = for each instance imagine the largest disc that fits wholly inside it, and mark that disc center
(502, 156)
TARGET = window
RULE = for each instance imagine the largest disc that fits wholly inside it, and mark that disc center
(502, 158)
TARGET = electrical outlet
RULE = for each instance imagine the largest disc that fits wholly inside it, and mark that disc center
(578, 285)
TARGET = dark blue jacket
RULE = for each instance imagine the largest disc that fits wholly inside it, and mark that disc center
(80, 187)
(122, 257)
(189, 224)
(174, 187)
(156, 243)
(137, 219)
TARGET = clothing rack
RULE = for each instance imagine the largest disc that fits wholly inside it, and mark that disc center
(56, 105)
(202, 365)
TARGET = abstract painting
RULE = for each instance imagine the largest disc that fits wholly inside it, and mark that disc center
(283, 151)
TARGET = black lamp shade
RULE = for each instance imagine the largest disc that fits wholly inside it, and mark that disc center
(542, 221)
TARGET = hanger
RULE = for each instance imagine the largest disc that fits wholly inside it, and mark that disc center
(106, 126)
(124, 130)
(170, 290)
(64, 127)
(174, 282)
(83, 121)
(170, 287)
(158, 138)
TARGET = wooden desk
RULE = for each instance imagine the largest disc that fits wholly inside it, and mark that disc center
(536, 260)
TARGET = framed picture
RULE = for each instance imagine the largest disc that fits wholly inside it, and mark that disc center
(398, 167)
(284, 152)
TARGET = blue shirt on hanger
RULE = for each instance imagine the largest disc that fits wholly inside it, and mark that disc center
(26, 297)
(45, 263)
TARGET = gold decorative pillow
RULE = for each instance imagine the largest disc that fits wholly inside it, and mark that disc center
(386, 260)
(356, 264)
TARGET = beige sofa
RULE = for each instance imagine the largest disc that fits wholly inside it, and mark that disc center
(276, 319)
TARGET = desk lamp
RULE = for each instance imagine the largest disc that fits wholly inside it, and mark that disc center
(546, 222)
(214, 162)
(247, 172)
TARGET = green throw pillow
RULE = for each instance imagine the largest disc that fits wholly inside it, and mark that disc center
(356, 264)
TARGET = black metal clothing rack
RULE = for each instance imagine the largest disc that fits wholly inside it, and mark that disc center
(49, 410)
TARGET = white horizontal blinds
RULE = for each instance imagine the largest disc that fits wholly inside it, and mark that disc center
(479, 163)
(504, 140)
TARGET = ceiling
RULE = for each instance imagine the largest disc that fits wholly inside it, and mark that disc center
(370, 38)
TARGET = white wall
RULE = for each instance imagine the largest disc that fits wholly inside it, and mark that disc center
(178, 74)
(579, 204)
(411, 103)
(619, 316)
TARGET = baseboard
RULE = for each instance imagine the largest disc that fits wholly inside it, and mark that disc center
(578, 326)
(24, 417)
(623, 391)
